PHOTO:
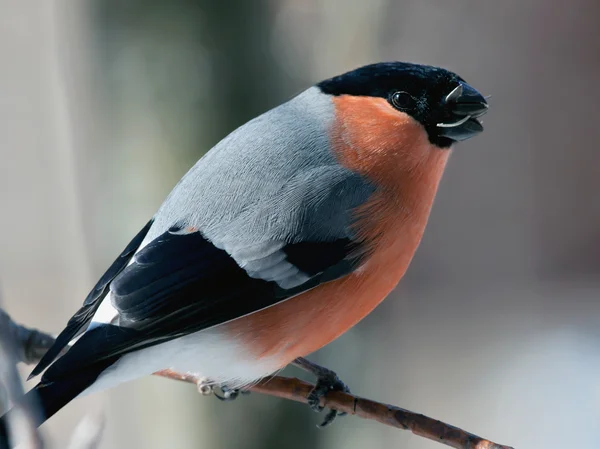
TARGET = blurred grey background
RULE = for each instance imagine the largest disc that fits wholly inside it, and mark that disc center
(104, 104)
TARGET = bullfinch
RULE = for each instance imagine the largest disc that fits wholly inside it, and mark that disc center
(282, 237)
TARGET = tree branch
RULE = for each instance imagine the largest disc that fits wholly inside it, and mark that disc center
(21, 344)
(421, 425)
(33, 344)
(12, 388)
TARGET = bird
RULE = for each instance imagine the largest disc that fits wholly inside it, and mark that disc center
(281, 238)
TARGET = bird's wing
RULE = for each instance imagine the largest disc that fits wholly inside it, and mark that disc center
(181, 283)
(265, 215)
(81, 319)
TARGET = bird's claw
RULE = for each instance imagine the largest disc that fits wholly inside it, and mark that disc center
(229, 394)
(327, 380)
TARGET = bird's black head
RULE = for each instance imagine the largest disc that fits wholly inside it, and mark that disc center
(446, 106)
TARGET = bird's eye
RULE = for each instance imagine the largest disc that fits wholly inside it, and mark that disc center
(402, 100)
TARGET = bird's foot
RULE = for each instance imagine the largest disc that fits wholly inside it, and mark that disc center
(327, 380)
(229, 394)
(206, 387)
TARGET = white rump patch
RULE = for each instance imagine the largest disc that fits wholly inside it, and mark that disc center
(210, 353)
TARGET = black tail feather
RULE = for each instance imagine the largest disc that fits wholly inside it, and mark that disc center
(46, 400)
(81, 319)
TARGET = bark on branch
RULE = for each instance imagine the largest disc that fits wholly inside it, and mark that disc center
(32, 344)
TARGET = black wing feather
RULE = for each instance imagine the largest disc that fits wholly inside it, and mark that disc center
(182, 283)
(84, 315)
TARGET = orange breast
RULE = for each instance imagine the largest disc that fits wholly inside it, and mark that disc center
(392, 150)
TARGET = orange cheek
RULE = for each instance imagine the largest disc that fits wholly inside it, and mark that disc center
(374, 139)
(392, 150)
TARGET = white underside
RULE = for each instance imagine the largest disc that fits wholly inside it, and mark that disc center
(208, 354)
(211, 354)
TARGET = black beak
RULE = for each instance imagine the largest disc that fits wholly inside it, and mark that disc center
(464, 105)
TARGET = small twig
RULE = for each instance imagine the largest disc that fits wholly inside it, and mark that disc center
(21, 344)
(23, 422)
(297, 390)
(30, 344)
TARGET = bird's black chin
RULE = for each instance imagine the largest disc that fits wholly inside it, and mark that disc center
(464, 106)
